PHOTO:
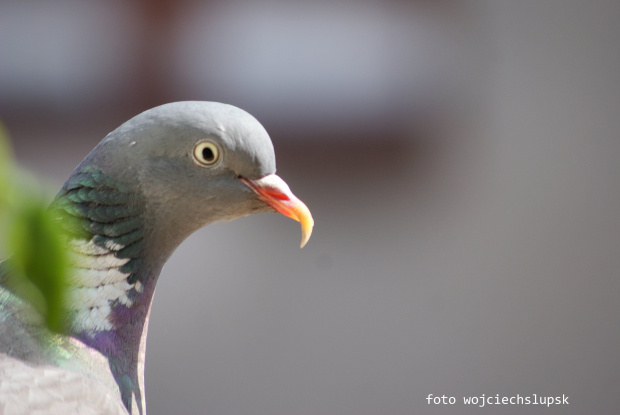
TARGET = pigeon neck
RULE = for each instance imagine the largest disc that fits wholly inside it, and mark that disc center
(109, 299)
(111, 287)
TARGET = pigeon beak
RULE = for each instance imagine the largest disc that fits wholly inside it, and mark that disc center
(275, 192)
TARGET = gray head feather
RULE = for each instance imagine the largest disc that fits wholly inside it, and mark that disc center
(154, 152)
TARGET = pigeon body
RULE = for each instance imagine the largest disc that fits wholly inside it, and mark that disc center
(145, 188)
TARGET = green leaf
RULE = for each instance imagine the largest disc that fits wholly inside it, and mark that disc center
(6, 165)
(39, 263)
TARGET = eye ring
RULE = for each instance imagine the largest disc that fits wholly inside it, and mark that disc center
(206, 153)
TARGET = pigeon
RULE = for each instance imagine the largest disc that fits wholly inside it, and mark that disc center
(146, 187)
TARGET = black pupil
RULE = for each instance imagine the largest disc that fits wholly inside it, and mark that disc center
(207, 154)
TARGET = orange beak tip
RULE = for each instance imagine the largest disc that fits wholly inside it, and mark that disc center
(307, 225)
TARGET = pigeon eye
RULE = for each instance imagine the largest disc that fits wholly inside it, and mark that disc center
(206, 153)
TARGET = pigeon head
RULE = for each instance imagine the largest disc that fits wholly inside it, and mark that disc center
(195, 163)
(147, 186)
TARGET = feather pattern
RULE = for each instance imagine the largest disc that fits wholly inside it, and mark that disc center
(107, 280)
(104, 225)
(79, 394)
(44, 372)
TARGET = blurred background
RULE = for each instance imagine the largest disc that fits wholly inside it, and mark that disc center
(460, 159)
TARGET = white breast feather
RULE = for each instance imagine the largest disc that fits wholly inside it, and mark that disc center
(99, 262)
(96, 284)
(84, 277)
